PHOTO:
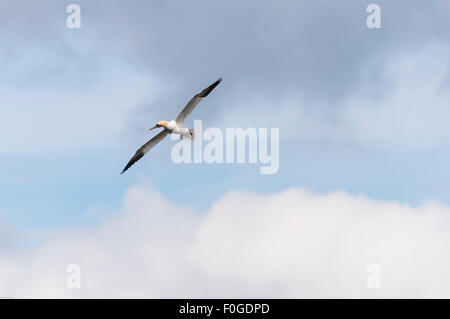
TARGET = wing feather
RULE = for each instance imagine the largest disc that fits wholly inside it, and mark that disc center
(194, 101)
(145, 149)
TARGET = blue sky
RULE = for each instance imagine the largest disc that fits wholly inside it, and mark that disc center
(48, 194)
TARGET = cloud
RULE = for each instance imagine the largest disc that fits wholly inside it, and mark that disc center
(304, 64)
(411, 111)
(399, 104)
(290, 244)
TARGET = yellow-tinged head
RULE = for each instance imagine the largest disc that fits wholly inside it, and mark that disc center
(160, 124)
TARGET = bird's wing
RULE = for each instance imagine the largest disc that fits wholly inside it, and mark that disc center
(145, 148)
(194, 101)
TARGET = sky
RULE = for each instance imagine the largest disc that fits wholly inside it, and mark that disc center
(364, 144)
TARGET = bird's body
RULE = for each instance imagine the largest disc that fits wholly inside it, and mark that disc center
(176, 126)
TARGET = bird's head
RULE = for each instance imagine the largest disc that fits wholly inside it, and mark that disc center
(160, 124)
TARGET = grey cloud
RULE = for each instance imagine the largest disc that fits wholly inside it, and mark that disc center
(317, 53)
(316, 48)
(320, 51)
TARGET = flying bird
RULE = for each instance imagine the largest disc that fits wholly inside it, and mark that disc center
(176, 126)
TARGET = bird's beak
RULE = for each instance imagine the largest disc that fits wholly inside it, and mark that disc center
(156, 126)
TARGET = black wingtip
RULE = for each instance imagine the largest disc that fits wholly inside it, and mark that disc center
(130, 163)
(126, 168)
(139, 154)
(208, 90)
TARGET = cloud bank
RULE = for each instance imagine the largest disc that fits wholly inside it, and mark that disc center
(311, 65)
(290, 244)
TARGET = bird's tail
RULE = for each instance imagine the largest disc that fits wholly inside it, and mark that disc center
(190, 136)
(191, 131)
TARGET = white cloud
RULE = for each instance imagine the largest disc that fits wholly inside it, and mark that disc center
(290, 244)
